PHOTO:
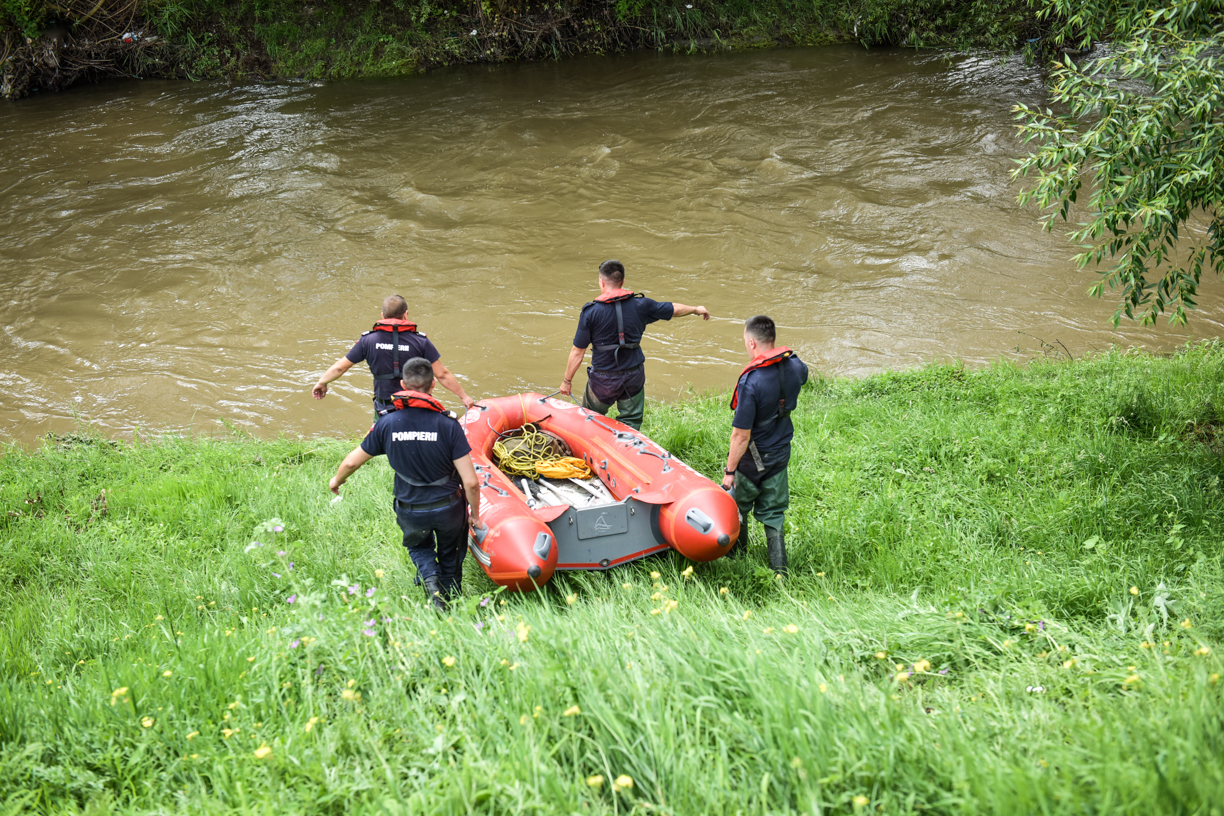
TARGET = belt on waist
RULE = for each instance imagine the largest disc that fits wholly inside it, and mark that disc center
(422, 508)
(595, 370)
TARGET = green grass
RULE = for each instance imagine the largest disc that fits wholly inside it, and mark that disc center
(1006, 598)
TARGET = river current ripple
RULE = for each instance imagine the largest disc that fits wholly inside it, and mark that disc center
(188, 257)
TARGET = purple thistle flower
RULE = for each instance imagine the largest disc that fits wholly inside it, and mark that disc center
(281, 552)
(291, 599)
(484, 602)
(278, 529)
(368, 632)
(295, 643)
(370, 592)
(291, 566)
(479, 625)
(276, 574)
(386, 620)
(370, 622)
(354, 589)
(943, 671)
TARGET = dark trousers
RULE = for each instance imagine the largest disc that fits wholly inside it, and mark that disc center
(627, 389)
(436, 541)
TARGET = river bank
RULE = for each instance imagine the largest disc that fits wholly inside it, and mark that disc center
(1006, 597)
(49, 47)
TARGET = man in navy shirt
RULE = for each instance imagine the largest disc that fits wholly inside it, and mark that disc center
(431, 458)
(761, 432)
(613, 323)
(392, 340)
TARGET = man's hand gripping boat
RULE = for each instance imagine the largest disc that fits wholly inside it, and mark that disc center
(656, 502)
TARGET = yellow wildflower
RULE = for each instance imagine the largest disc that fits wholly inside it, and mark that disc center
(820, 575)
(250, 659)
(1134, 590)
(861, 801)
(569, 599)
(657, 596)
(902, 676)
(522, 630)
(747, 614)
(723, 591)
(1215, 678)
(159, 617)
(167, 673)
(1185, 624)
(1130, 681)
(119, 692)
(626, 586)
(881, 655)
(311, 723)
(351, 696)
(193, 735)
(1203, 651)
(537, 711)
(922, 666)
(448, 661)
(379, 573)
(655, 611)
(623, 782)
(655, 576)
(595, 781)
(232, 705)
(228, 732)
(147, 722)
(1029, 627)
(1069, 663)
(572, 711)
(688, 573)
(792, 628)
(768, 630)
(523, 720)
(262, 751)
(668, 606)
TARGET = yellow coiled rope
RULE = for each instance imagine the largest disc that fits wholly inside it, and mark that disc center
(534, 454)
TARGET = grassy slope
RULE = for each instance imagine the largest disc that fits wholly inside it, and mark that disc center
(990, 523)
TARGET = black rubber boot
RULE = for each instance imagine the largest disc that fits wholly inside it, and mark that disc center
(775, 542)
(433, 591)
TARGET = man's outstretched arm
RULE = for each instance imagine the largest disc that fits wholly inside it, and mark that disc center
(680, 310)
(334, 373)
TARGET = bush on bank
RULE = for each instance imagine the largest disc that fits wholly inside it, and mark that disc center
(1006, 597)
(50, 45)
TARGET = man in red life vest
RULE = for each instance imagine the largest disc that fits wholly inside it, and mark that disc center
(391, 340)
(433, 468)
(761, 432)
(613, 324)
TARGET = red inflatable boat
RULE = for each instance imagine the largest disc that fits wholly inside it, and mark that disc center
(643, 500)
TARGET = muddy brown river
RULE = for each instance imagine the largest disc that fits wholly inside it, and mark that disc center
(188, 257)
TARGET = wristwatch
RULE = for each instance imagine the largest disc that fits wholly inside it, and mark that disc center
(729, 472)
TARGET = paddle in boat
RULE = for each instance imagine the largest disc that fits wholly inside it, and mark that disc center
(641, 500)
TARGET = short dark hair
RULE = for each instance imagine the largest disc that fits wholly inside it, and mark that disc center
(395, 307)
(417, 374)
(761, 329)
(613, 271)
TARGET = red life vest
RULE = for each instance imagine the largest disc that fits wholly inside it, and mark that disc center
(394, 325)
(616, 297)
(770, 357)
(415, 399)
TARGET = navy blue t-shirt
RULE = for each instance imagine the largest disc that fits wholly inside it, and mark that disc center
(375, 348)
(422, 446)
(759, 394)
(597, 325)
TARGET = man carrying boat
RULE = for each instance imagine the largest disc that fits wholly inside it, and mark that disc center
(761, 432)
(613, 324)
(432, 461)
(383, 347)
